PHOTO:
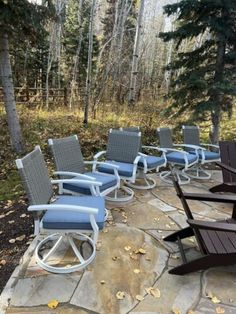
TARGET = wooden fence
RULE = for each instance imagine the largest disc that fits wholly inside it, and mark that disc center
(37, 96)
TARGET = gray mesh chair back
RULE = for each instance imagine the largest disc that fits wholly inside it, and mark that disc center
(165, 137)
(135, 129)
(67, 154)
(35, 178)
(123, 146)
(191, 135)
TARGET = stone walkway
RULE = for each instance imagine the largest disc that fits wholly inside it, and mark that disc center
(130, 271)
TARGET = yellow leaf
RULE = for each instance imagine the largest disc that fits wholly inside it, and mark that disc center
(139, 297)
(176, 311)
(115, 258)
(140, 251)
(20, 238)
(53, 304)
(127, 248)
(155, 292)
(12, 240)
(102, 282)
(3, 262)
(220, 310)
(137, 271)
(120, 295)
(215, 300)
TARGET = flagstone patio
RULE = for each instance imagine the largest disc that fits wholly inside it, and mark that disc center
(130, 271)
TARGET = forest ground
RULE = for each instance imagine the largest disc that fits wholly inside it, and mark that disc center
(38, 125)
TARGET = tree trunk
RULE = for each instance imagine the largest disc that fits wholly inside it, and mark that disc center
(9, 97)
(216, 96)
(89, 67)
(134, 70)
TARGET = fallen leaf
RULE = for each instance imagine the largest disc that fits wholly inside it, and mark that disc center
(1, 232)
(98, 246)
(191, 240)
(176, 311)
(155, 292)
(175, 256)
(102, 282)
(10, 212)
(220, 310)
(115, 258)
(23, 216)
(215, 300)
(53, 304)
(168, 226)
(105, 231)
(140, 251)
(127, 248)
(139, 297)
(3, 262)
(12, 240)
(159, 231)
(11, 222)
(120, 295)
(21, 238)
(137, 271)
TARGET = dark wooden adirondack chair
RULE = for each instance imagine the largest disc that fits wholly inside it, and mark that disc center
(228, 166)
(216, 240)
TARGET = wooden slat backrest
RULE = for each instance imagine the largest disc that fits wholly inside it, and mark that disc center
(228, 157)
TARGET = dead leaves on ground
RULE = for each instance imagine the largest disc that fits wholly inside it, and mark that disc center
(53, 304)
(120, 295)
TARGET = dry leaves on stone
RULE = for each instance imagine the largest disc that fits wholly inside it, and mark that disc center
(140, 251)
(127, 248)
(220, 310)
(155, 292)
(53, 304)
(213, 298)
(139, 297)
(120, 295)
(136, 271)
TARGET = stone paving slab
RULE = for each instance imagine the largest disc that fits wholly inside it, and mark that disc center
(142, 223)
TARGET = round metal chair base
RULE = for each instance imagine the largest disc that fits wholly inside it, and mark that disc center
(58, 238)
(150, 183)
(128, 195)
(181, 176)
(198, 173)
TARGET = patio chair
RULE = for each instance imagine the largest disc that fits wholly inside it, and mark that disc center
(70, 163)
(228, 166)
(147, 163)
(192, 137)
(216, 240)
(178, 160)
(66, 218)
(122, 152)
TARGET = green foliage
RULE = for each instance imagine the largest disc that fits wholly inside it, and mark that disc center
(204, 78)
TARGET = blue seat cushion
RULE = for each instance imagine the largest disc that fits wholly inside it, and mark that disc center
(67, 219)
(178, 158)
(107, 182)
(208, 154)
(152, 161)
(125, 169)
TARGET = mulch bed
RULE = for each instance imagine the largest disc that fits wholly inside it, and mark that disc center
(16, 229)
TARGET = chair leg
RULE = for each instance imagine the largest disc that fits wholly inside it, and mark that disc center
(205, 262)
(181, 234)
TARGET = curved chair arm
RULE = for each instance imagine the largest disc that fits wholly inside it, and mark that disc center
(61, 207)
(210, 145)
(136, 160)
(100, 163)
(135, 163)
(211, 225)
(74, 174)
(163, 150)
(99, 154)
(196, 147)
(226, 167)
(86, 182)
(177, 151)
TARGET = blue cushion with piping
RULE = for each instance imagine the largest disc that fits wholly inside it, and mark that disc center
(106, 180)
(67, 219)
(152, 161)
(177, 157)
(125, 169)
(208, 154)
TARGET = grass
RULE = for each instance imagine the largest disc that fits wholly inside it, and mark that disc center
(38, 125)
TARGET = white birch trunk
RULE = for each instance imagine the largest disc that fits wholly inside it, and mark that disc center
(135, 62)
(9, 97)
(89, 66)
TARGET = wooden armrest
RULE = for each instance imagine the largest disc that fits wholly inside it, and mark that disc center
(211, 225)
(211, 197)
(226, 167)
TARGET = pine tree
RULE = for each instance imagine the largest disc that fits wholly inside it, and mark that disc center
(206, 82)
(25, 19)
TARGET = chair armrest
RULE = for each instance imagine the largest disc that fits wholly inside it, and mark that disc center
(61, 207)
(176, 150)
(218, 198)
(211, 225)
(210, 145)
(142, 155)
(99, 154)
(92, 162)
(196, 147)
(226, 167)
(86, 182)
(74, 174)
(155, 148)
(136, 160)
